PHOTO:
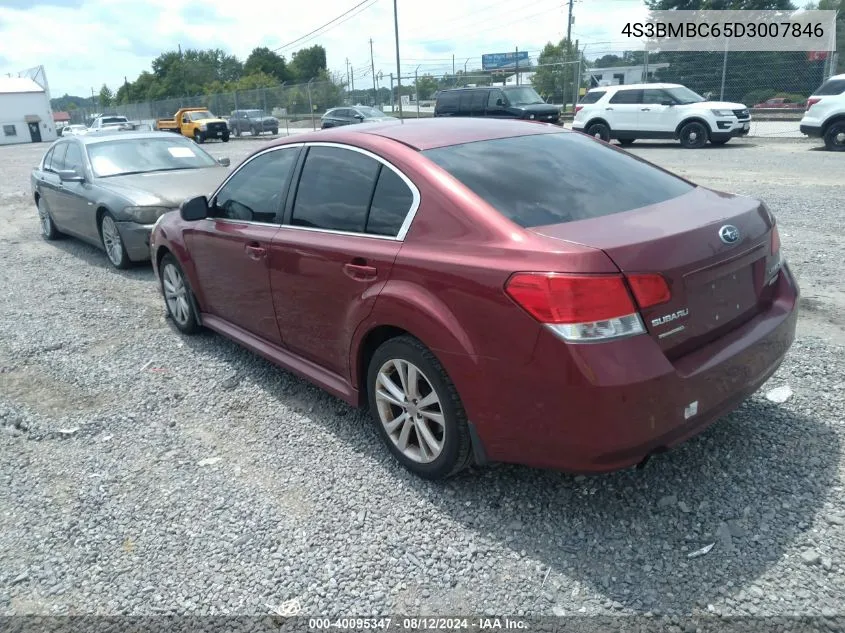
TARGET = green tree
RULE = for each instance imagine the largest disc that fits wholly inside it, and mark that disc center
(556, 70)
(426, 86)
(106, 96)
(263, 60)
(307, 64)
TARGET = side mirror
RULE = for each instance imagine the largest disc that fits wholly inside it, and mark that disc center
(360, 117)
(224, 160)
(194, 209)
(499, 102)
(70, 175)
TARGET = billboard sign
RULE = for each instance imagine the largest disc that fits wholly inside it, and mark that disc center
(495, 61)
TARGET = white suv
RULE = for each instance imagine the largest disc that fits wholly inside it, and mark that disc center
(825, 115)
(659, 111)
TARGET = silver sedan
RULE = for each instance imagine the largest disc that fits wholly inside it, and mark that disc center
(109, 189)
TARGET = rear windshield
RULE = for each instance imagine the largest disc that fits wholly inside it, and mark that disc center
(542, 179)
(592, 97)
(831, 87)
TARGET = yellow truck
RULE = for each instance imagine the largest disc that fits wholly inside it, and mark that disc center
(196, 123)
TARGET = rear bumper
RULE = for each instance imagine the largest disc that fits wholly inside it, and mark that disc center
(597, 408)
(811, 130)
(136, 239)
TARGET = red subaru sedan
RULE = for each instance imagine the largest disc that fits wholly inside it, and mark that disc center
(491, 290)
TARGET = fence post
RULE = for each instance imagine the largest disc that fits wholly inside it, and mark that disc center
(724, 72)
(577, 85)
(264, 98)
(392, 98)
(311, 105)
(417, 91)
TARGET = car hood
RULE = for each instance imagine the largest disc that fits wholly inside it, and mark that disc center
(720, 105)
(165, 188)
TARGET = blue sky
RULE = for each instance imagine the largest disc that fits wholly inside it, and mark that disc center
(84, 43)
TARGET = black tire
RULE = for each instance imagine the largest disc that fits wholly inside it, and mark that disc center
(274, 131)
(199, 138)
(834, 137)
(694, 135)
(455, 454)
(225, 138)
(599, 130)
(237, 131)
(186, 322)
(626, 141)
(112, 242)
(48, 228)
(253, 131)
(720, 141)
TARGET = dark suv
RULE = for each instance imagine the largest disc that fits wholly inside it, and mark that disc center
(506, 102)
(253, 121)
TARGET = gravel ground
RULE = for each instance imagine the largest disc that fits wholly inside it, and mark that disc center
(142, 472)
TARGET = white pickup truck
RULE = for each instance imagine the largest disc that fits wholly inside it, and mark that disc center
(111, 122)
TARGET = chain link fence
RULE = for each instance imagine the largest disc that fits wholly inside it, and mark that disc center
(751, 78)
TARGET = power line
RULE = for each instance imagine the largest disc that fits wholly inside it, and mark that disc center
(345, 13)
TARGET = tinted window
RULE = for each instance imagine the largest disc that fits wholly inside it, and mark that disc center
(447, 102)
(653, 95)
(254, 193)
(465, 101)
(553, 178)
(73, 158)
(478, 101)
(335, 190)
(59, 157)
(48, 158)
(494, 95)
(627, 96)
(832, 87)
(391, 203)
(592, 97)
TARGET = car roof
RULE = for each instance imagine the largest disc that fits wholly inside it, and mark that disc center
(429, 133)
(634, 87)
(110, 135)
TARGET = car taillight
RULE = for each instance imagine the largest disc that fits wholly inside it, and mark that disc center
(812, 101)
(775, 240)
(578, 108)
(649, 289)
(578, 308)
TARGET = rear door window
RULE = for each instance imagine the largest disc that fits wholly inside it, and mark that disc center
(447, 102)
(592, 97)
(478, 102)
(335, 190)
(542, 179)
(391, 202)
(627, 96)
(58, 162)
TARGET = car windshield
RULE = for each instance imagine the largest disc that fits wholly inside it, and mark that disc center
(543, 179)
(199, 116)
(106, 120)
(371, 113)
(255, 113)
(523, 96)
(144, 155)
(684, 95)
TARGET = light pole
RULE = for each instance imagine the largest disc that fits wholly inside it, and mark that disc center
(398, 70)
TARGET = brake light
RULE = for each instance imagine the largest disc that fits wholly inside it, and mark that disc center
(775, 240)
(578, 308)
(649, 290)
(578, 108)
(812, 101)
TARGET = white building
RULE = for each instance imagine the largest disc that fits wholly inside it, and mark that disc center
(617, 75)
(25, 112)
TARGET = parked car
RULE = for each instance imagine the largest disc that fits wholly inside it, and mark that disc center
(108, 189)
(659, 111)
(196, 123)
(253, 121)
(490, 290)
(779, 103)
(337, 117)
(501, 102)
(110, 123)
(71, 130)
(825, 114)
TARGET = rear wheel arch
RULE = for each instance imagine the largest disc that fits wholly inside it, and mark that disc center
(836, 118)
(595, 120)
(370, 342)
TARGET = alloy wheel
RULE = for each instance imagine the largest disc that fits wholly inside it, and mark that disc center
(46, 222)
(176, 294)
(410, 411)
(112, 241)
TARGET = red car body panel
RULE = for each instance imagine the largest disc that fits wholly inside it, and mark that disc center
(530, 397)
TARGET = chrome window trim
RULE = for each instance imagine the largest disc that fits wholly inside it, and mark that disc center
(409, 215)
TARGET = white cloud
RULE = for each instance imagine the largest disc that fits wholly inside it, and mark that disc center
(81, 47)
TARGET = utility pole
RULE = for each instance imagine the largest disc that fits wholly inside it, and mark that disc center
(569, 25)
(453, 63)
(373, 69)
(516, 59)
(347, 75)
(398, 70)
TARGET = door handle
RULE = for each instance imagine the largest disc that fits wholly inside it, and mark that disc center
(645, 109)
(360, 272)
(608, 108)
(254, 251)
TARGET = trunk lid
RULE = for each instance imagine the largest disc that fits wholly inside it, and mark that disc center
(716, 285)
